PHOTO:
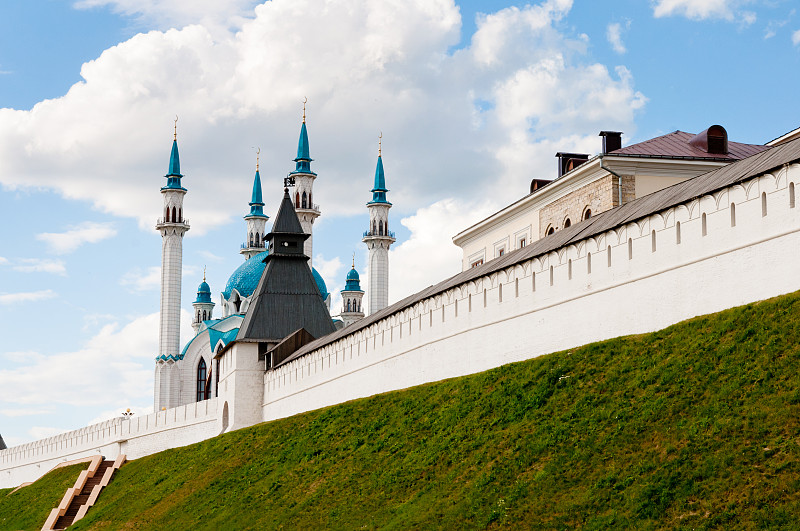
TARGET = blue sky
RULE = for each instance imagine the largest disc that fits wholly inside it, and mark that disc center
(473, 100)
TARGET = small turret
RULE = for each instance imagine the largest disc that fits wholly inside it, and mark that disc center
(203, 306)
(351, 297)
(378, 238)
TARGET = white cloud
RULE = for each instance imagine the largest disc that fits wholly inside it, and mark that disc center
(40, 265)
(24, 412)
(116, 362)
(142, 280)
(3, 261)
(429, 256)
(331, 272)
(42, 432)
(705, 9)
(211, 257)
(796, 38)
(28, 296)
(365, 66)
(77, 235)
(165, 14)
(614, 36)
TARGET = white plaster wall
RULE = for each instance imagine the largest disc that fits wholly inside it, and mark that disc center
(135, 438)
(501, 318)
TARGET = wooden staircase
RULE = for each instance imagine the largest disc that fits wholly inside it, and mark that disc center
(82, 496)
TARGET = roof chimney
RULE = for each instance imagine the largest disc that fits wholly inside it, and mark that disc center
(712, 140)
(612, 141)
(569, 161)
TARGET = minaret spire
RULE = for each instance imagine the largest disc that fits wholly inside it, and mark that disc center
(172, 228)
(256, 220)
(304, 178)
(378, 239)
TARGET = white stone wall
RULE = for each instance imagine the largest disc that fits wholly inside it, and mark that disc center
(135, 438)
(724, 257)
(559, 301)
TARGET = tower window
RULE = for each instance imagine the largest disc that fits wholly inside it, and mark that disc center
(305, 200)
(174, 218)
(587, 214)
(201, 380)
(297, 199)
(678, 232)
(567, 223)
(180, 216)
(791, 195)
(733, 214)
(763, 204)
(704, 224)
(166, 216)
(653, 240)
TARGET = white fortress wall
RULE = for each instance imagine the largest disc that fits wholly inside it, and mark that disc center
(134, 437)
(652, 281)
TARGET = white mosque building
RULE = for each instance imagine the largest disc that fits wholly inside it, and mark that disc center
(186, 375)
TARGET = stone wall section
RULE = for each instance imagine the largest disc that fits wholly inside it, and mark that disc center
(599, 195)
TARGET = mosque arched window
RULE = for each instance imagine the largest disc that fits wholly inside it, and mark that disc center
(386, 228)
(304, 202)
(198, 316)
(166, 216)
(297, 199)
(348, 305)
(201, 380)
(310, 203)
(204, 315)
(258, 240)
(180, 215)
(374, 229)
(174, 217)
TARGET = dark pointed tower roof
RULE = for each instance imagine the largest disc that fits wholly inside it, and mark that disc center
(2, 443)
(287, 297)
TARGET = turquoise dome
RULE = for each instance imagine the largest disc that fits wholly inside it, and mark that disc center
(203, 292)
(245, 278)
(353, 282)
(352, 275)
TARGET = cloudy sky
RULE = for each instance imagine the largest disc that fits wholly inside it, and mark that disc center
(473, 100)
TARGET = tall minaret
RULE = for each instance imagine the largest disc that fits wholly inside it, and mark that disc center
(256, 220)
(378, 239)
(172, 228)
(307, 211)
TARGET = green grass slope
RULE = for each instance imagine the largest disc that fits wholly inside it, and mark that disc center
(692, 427)
(29, 507)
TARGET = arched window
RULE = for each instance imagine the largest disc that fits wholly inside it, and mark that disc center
(567, 223)
(704, 224)
(348, 305)
(380, 228)
(587, 214)
(386, 227)
(198, 316)
(201, 380)
(653, 240)
(763, 204)
(297, 199)
(180, 216)
(304, 201)
(791, 195)
(550, 231)
(733, 214)
(310, 203)
(630, 249)
(174, 217)
(678, 232)
(166, 216)
(251, 239)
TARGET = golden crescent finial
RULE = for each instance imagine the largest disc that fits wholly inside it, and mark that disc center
(204, 273)
(354, 260)
(258, 153)
(305, 100)
(380, 137)
(175, 134)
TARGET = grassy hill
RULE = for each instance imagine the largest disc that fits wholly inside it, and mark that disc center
(29, 507)
(692, 427)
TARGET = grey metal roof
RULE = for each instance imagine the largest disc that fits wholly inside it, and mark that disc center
(287, 297)
(674, 195)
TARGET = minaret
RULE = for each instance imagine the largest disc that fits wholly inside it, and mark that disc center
(172, 228)
(304, 205)
(378, 239)
(351, 297)
(256, 220)
(203, 307)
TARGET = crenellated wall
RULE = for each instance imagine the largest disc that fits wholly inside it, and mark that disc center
(135, 437)
(695, 258)
(636, 278)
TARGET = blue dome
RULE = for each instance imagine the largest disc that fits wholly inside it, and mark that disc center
(245, 278)
(203, 292)
(353, 283)
(352, 275)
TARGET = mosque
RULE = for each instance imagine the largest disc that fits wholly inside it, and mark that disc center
(186, 375)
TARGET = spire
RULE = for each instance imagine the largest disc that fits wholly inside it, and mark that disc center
(286, 221)
(303, 159)
(379, 188)
(256, 203)
(174, 174)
